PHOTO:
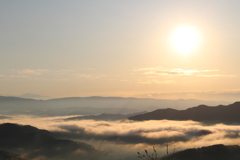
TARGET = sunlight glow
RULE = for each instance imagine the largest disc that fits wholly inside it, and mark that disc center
(185, 39)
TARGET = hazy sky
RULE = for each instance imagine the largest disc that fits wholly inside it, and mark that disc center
(68, 48)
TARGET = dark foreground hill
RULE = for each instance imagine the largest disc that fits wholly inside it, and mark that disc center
(4, 155)
(215, 152)
(35, 143)
(219, 114)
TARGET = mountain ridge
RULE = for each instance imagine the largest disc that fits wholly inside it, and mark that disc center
(214, 152)
(202, 113)
(26, 139)
(83, 105)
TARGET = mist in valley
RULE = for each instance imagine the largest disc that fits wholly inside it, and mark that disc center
(124, 138)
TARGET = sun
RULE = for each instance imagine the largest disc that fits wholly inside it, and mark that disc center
(185, 39)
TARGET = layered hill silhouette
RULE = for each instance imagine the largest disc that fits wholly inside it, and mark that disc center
(215, 152)
(91, 105)
(30, 141)
(202, 113)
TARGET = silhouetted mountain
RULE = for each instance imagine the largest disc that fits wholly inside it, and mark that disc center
(202, 113)
(215, 152)
(40, 143)
(105, 117)
(91, 105)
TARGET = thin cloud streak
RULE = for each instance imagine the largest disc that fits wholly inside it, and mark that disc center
(161, 75)
(171, 73)
(89, 76)
(22, 73)
(217, 75)
(156, 81)
(226, 95)
(160, 71)
(32, 72)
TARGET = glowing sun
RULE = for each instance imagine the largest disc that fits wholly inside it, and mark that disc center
(185, 39)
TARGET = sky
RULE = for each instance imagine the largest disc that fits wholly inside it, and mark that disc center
(77, 48)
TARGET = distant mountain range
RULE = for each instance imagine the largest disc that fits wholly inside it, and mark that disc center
(215, 152)
(202, 113)
(35, 143)
(33, 96)
(92, 105)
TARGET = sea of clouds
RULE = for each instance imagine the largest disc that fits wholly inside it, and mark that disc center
(122, 139)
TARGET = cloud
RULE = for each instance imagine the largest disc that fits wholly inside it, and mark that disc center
(12, 76)
(4, 117)
(71, 128)
(127, 136)
(161, 75)
(160, 71)
(128, 132)
(149, 132)
(15, 73)
(32, 72)
(216, 75)
(224, 95)
(89, 76)
(156, 81)
(171, 73)
(137, 132)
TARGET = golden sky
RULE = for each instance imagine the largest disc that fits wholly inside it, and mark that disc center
(122, 48)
